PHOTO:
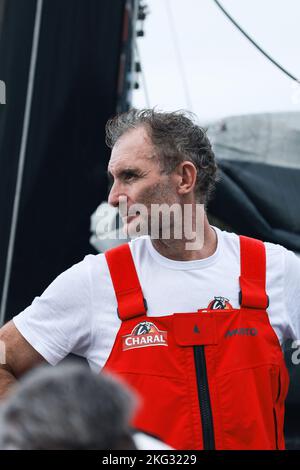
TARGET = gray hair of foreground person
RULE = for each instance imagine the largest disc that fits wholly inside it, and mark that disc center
(66, 407)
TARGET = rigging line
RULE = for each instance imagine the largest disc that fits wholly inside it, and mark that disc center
(178, 57)
(133, 41)
(22, 156)
(145, 88)
(274, 62)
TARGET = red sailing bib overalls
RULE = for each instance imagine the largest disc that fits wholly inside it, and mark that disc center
(211, 379)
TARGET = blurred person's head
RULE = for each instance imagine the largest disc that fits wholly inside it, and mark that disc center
(66, 407)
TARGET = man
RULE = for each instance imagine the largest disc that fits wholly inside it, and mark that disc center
(196, 332)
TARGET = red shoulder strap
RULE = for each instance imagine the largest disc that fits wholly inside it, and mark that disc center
(253, 274)
(126, 283)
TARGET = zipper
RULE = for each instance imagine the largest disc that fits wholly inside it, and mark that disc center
(275, 426)
(204, 399)
(274, 411)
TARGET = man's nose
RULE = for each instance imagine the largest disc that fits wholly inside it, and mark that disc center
(117, 195)
(113, 197)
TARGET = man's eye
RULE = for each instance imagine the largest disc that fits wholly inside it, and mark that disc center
(129, 176)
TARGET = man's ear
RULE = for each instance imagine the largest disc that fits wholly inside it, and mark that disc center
(186, 176)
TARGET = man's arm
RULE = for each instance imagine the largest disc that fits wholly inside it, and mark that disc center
(19, 357)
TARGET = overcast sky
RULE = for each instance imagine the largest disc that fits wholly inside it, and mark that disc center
(224, 73)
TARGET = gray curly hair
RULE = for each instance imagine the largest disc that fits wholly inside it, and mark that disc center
(176, 137)
(66, 407)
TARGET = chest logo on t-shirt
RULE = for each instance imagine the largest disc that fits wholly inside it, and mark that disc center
(143, 335)
(219, 303)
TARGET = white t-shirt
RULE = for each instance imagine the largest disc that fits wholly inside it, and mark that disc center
(77, 313)
(146, 442)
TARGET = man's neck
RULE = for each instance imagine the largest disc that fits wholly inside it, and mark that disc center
(177, 249)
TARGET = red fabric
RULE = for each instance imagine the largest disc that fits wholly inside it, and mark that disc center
(126, 282)
(253, 273)
(192, 329)
(247, 377)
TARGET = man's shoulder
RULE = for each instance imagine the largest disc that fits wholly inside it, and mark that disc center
(90, 261)
(274, 251)
(79, 275)
(233, 237)
(280, 255)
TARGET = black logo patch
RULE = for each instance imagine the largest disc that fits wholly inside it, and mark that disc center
(241, 332)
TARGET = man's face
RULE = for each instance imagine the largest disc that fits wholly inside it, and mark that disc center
(137, 176)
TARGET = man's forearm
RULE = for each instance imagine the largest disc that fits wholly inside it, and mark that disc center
(7, 380)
